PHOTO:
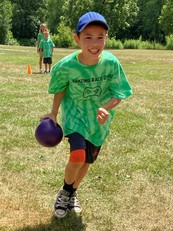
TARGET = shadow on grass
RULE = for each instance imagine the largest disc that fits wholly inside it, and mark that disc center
(38, 73)
(71, 222)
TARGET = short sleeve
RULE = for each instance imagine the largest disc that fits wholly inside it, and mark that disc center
(120, 87)
(59, 80)
(53, 45)
(40, 36)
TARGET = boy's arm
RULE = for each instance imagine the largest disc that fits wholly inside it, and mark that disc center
(102, 112)
(37, 45)
(40, 51)
(55, 107)
(113, 102)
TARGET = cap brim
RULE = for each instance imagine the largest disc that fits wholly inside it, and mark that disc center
(105, 25)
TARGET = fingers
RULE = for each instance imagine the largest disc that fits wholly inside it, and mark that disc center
(102, 118)
(102, 115)
(43, 117)
(49, 116)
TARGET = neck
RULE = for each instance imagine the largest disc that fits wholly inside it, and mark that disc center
(87, 61)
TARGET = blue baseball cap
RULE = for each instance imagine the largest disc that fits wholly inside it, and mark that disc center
(89, 18)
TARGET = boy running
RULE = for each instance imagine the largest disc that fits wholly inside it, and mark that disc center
(88, 85)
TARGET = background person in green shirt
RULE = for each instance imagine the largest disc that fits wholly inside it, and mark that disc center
(40, 36)
(88, 85)
(46, 48)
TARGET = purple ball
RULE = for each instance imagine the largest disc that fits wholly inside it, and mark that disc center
(48, 134)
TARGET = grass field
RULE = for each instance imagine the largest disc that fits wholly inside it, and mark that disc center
(129, 187)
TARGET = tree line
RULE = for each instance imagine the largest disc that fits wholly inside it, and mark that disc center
(149, 20)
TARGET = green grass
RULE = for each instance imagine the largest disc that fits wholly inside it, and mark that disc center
(129, 187)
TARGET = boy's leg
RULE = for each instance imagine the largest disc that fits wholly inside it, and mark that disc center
(49, 68)
(81, 174)
(82, 154)
(45, 68)
(74, 204)
(91, 154)
(40, 61)
(76, 161)
(71, 172)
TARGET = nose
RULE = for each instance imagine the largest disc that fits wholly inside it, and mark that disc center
(95, 43)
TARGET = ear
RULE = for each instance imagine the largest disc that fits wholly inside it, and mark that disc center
(77, 39)
(106, 37)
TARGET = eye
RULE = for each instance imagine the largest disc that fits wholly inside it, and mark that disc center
(88, 37)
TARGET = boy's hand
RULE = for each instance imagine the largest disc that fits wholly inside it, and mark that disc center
(102, 115)
(50, 116)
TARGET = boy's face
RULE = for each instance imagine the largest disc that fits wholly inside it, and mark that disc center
(92, 41)
(43, 28)
(46, 35)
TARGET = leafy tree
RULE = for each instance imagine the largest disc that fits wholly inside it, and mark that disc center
(65, 36)
(54, 14)
(150, 19)
(74, 9)
(27, 15)
(119, 13)
(166, 17)
(148, 23)
(5, 20)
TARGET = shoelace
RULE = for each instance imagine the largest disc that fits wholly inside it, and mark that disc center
(62, 201)
(74, 201)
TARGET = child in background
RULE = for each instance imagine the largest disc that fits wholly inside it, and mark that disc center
(88, 84)
(46, 49)
(40, 36)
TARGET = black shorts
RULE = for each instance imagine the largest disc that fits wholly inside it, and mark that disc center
(77, 141)
(47, 60)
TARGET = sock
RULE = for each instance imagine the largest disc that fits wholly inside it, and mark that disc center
(68, 187)
(74, 190)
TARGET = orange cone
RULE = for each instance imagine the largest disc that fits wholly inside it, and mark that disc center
(29, 69)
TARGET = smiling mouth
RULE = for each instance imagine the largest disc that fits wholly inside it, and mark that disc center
(94, 51)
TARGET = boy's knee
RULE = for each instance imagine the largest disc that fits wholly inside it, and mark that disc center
(77, 156)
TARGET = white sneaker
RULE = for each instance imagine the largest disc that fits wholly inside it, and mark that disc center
(73, 204)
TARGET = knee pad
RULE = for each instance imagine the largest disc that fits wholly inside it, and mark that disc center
(77, 156)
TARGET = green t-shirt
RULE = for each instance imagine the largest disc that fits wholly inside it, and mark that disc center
(40, 36)
(87, 89)
(47, 46)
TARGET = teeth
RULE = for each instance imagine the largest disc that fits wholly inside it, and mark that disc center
(94, 51)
